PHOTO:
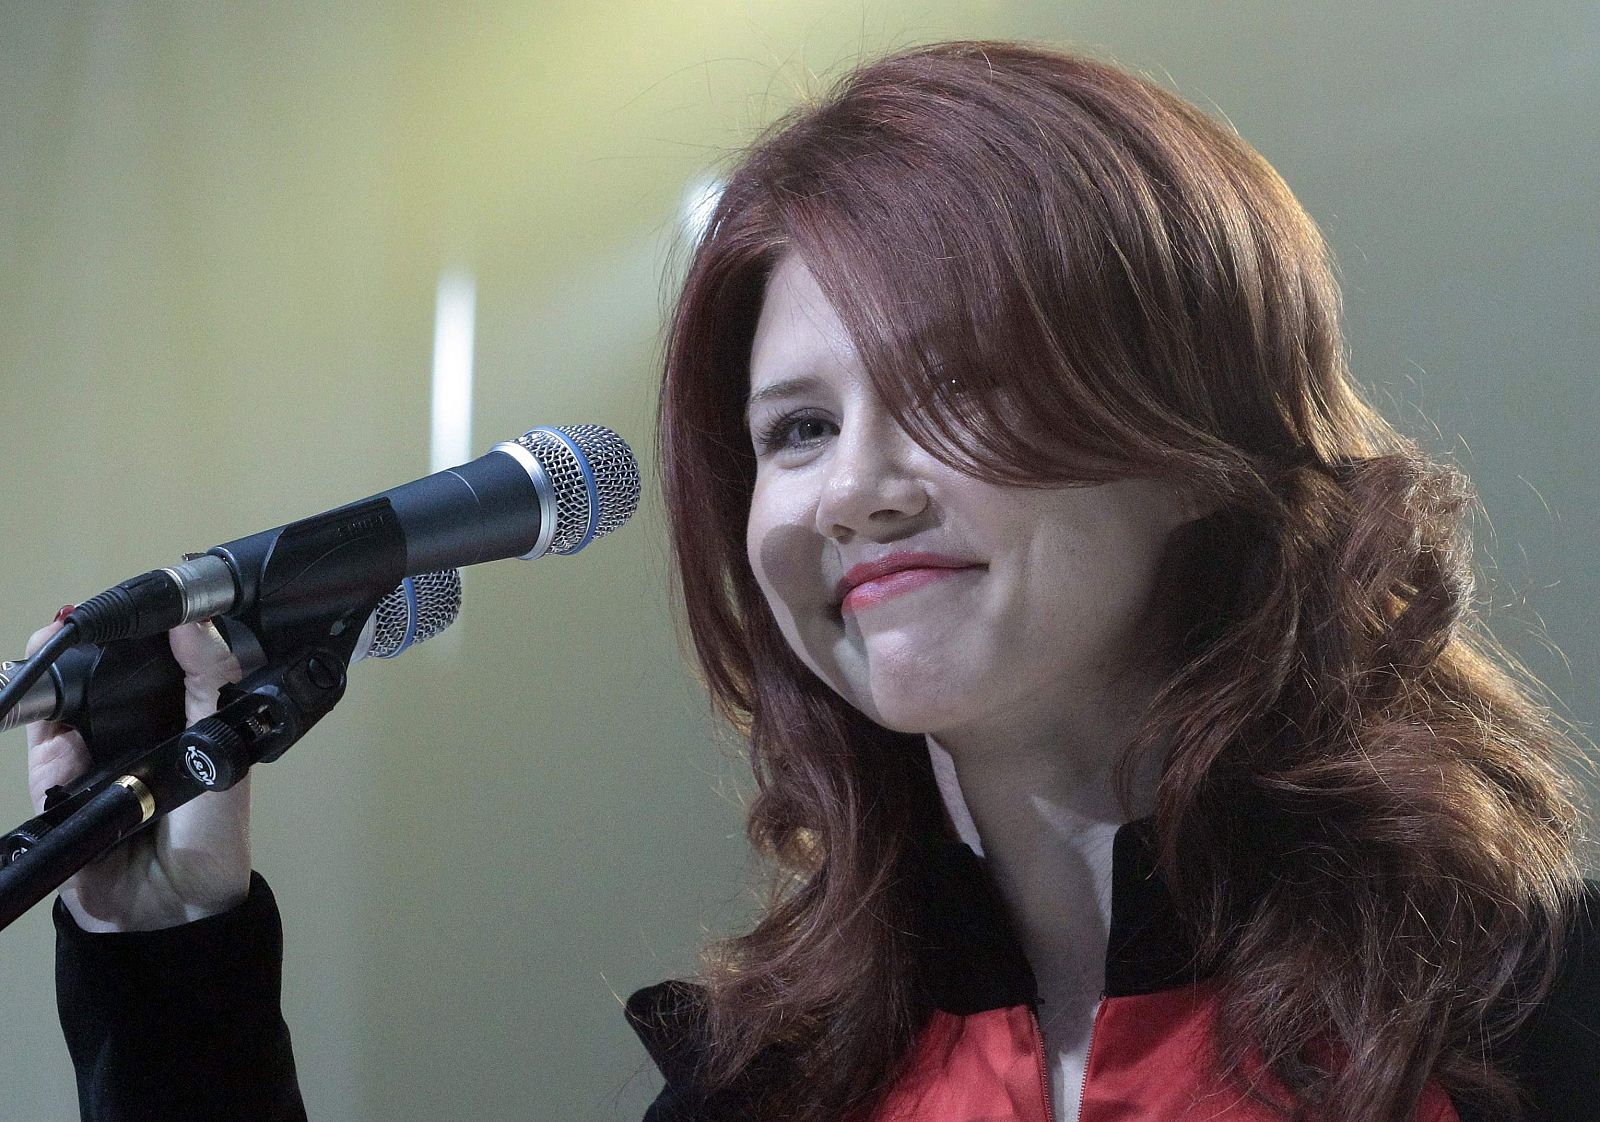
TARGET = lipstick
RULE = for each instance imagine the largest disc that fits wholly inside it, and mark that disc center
(876, 581)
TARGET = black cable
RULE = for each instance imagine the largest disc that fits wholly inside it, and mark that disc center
(34, 669)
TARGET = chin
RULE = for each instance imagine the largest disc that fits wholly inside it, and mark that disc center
(915, 712)
(892, 693)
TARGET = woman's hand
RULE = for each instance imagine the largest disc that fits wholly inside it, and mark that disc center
(193, 862)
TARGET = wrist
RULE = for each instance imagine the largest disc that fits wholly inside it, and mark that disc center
(97, 917)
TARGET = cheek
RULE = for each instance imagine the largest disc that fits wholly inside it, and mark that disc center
(1085, 601)
(784, 554)
(758, 524)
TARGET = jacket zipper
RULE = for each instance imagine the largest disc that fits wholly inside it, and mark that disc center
(1088, 1054)
(1044, 1063)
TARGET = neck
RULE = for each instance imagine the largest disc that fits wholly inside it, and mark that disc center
(1042, 811)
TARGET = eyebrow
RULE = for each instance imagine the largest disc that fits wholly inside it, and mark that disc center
(789, 387)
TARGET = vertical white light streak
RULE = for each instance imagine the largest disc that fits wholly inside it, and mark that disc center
(454, 310)
(454, 315)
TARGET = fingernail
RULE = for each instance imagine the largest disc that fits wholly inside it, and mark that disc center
(66, 610)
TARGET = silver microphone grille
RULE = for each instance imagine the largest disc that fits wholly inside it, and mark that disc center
(595, 478)
(416, 611)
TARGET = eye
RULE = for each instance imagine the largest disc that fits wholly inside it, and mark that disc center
(787, 431)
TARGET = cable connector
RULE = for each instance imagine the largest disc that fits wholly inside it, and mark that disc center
(145, 605)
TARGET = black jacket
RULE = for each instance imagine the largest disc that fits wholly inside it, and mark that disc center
(184, 1023)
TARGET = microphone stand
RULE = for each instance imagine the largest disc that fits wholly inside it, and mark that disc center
(315, 584)
(256, 722)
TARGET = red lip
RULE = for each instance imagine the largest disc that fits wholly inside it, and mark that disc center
(894, 563)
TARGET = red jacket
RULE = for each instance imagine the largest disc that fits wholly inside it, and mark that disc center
(981, 1057)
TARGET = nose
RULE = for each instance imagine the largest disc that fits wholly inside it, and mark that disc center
(872, 483)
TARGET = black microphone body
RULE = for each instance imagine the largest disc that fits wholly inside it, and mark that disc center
(485, 510)
(551, 490)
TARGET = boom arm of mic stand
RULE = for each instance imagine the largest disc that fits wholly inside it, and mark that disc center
(259, 720)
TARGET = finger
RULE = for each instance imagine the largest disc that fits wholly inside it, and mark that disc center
(40, 637)
(57, 754)
(203, 653)
(207, 665)
(54, 760)
(40, 731)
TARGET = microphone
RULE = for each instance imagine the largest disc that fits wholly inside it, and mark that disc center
(130, 692)
(551, 490)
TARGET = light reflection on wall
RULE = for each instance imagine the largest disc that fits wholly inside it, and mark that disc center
(454, 310)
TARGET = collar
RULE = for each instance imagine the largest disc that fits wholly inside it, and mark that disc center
(974, 960)
(971, 958)
(971, 962)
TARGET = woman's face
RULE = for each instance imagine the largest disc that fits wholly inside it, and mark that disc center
(1054, 588)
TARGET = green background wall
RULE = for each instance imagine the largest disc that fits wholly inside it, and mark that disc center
(221, 226)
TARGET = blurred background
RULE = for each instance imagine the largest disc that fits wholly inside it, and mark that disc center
(257, 260)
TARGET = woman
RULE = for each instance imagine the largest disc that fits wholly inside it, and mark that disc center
(1023, 506)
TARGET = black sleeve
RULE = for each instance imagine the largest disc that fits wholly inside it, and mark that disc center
(1557, 1053)
(179, 1023)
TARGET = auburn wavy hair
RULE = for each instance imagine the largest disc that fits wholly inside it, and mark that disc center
(1058, 273)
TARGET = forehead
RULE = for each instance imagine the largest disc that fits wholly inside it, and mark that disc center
(798, 334)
